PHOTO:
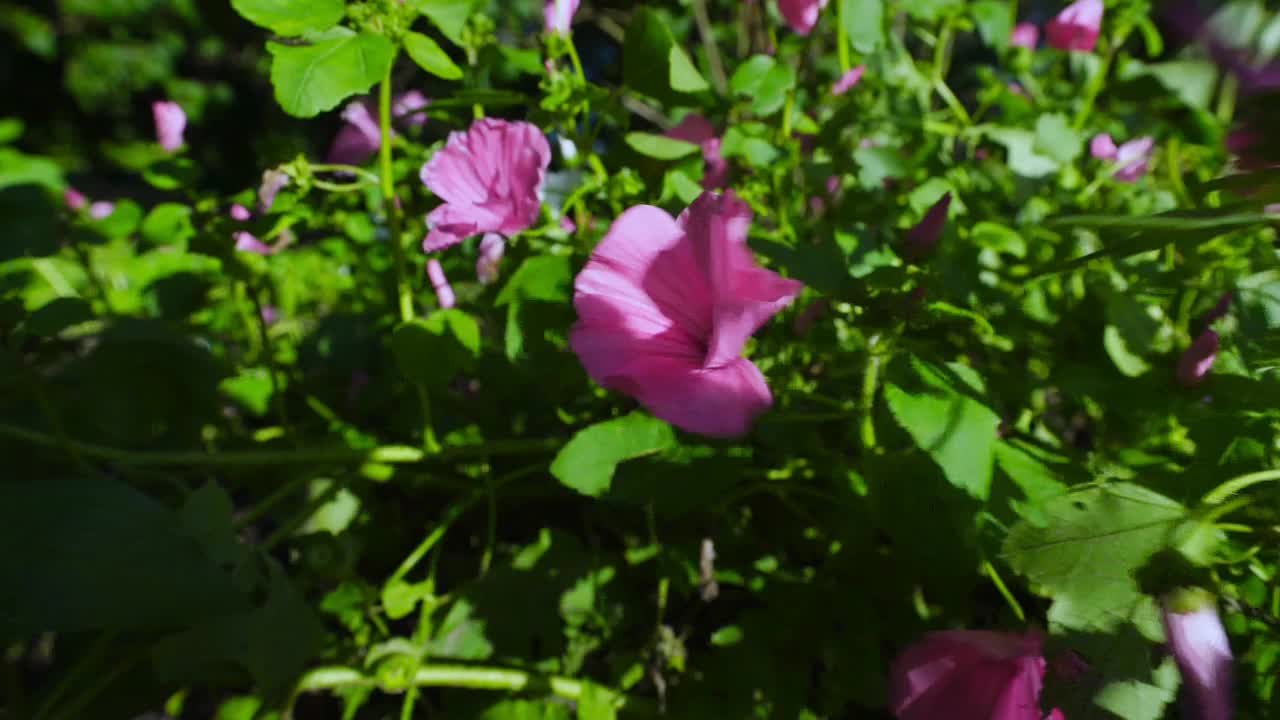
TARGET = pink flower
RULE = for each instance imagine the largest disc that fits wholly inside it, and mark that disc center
(969, 675)
(101, 210)
(409, 107)
(924, 237)
(444, 291)
(568, 225)
(1132, 159)
(270, 315)
(239, 213)
(1199, 645)
(361, 136)
(171, 123)
(1077, 26)
(801, 15)
(1197, 360)
(492, 248)
(1025, 35)
(246, 242)
(558, 15)
(74, 199)
(490, 179)
(273, 181)
(665, 307)
(848, 80)
(698, 130)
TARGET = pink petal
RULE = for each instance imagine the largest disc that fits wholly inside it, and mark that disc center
(74, 199)
(924, 237)
(968, 675)
(1200, 646)
(558, 15)
(492, 248)
(246, 242)
(716, 402)
(1025, 35)
(1197, 361)
(239, 213)
(101, 210)
(490, 178)
(1103, 147)
(171, 123)
(1134, 158)
(848, 80)
(715, 169)
(444, 291)
(270, 315)
(801, 15)
(1077, 26)
(410, 106)
(273, 181)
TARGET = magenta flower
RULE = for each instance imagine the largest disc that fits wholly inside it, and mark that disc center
(1025, 35)
(801, 15)
(239, 213)
(1077, 26)
(247, 242)
(969, 675)
(1197, 360)
(444, 291)
(848, 80)
(490, 179)
(698, 130)
(1199, 645)
(1132, 159)
(74, 199)
(924, 237)
(171, 123)
(558, 15)
(665, 307)
(492, 248)
(101, 210)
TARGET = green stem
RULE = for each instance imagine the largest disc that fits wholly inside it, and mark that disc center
(573, 58)
(842, 39)
(363, 174)
(1091, 92)
(390, 207)
(1239, 484)
(703, 21)
(424, 547)
(429, 441)
(1227, 99)
(386, 454)
(870, 383)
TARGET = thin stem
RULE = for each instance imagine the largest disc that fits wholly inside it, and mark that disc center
(705, 29)
(1239, 484)
(386, 454)
(842, 39)
(1004, 590)
(389, 202)
(273, 367)
(429, 441)
(1091, 91)
(573, 58)
(1227, 99)
(870, 383)
(363, 174)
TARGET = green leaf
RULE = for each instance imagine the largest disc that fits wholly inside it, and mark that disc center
(750, 74)
(1023, 157)
(449, 16)
(1085, 557)
(877, 164)
(683, 73)
(588, 461)
(431, 57)
(756, 151)
(660, 147)
(251, 389)
(597, 703)
(18, 168)
(944, 419)
(168, 224)
(995, 22)
(460, 635)
(771, 93)
(311, 79)
(98, 555)
(1055, 139)
(10, 129)
(542, 278)
(58, 315)
(864, 23)
(291, 17)
(930, 10)
(431, 352)
(1194, 81)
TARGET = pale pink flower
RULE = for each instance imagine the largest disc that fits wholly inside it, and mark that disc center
(239, 213)
(1198, 359)
(801, 15)
(490, 178)
(969, 675)
(1132, 159)
(696, 129)
(492, 248)
(444, 291)
(848, 80)
(558, 15)
(924, 237)
(74, 199)
(1077, 26)
(1199, 644)
(1025, 35)
(1103, 147)
(246, 242)
(665, 308)
(101, 210)
(171, 123)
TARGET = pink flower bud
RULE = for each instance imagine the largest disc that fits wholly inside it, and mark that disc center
(1199, 645)
(1077, 26)
(1025, 35)
(848, 80)
(1197, 361)
(270, 315)
(101, 210)
(74, 199)
(239, 213)
(273, 181)
(558, 15)
(246, 242)
(171, 123)
(1103, 147)
(444, 291)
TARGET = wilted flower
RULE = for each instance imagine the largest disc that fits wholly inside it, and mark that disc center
(1199, 644)
(969, 675)
(558, 15)
(665, 307)
(924, 237)
(490, 179)
(696, 129)
(848, 80)
(171, 123)
(444, 291)
(1197, 360)
(1025, 35)
(1077, 26)
(801, 15)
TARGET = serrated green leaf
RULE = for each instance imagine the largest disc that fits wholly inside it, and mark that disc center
(542, 278)
(310, 79)
(449, 16)
(587, 462)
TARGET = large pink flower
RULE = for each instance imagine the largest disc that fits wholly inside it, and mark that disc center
(171, 123)
(969, 675)
(665, 307)
(1077, 26)
(801, 15)
(490, 178)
